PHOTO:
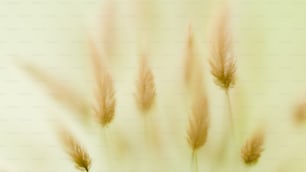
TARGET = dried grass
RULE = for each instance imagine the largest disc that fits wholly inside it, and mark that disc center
(223, 69)
(108, 30)
(63, 94)
(75, 150)
(105, 93)
(189, 57)
(253, 148)
(299, 115)
(223, 66)
(198, 123)
(145, 86)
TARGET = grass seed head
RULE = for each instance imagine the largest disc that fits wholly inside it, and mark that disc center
(145, 86)
(77, 153)
(198, 123)
(222, 63)
(189, 57)
(105, 92)
(253, 148)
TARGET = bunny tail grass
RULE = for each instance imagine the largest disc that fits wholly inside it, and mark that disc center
(222, 62)
(198, 126)
(105, 93)
(189, 57)
(253, 148)
(77, 153)
(145, 86)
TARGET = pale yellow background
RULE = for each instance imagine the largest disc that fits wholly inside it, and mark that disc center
(270, 45)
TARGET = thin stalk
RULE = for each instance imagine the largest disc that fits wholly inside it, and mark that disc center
(194, 162)
(230, 112)
(244, 168)
(233, 131)
(105, 137)
(107, 145)
(146, 128)
(228, 136)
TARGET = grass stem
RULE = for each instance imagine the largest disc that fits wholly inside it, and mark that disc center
(230, 112)
(107, 143)
(194, 162)
(147, 128)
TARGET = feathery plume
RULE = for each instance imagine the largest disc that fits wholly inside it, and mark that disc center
(189, 58)
(198, 123)
(145, 91)
(106, 103)
(105, 92)
(299, 115)
(198, 126)
(251, 151)
(61, 93)
(77, 153)
(223, 66)
(108, 29)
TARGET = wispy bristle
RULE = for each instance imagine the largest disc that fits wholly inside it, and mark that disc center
(145, 86)
(108, 29)
(223, 66)
(105, 92)
(106, 103)
(61, 93)
(299, 115)
(198, 123)
(189, 58)
(251, 151)
(77, 153)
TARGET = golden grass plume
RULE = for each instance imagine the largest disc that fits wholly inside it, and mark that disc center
(253, 148)
(223, 66)
(299, 114)
(189, 57)
(75, 150)
(198, 122)
(105, 92)
(145, 85)
(108, 29)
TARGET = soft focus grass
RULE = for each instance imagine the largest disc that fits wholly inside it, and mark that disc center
(270, 39)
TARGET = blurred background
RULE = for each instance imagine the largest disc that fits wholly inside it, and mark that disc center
(269, 42)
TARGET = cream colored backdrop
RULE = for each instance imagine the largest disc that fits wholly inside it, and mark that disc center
(270, 47)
